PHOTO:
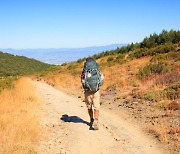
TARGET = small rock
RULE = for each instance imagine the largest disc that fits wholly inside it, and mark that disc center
(135, 102)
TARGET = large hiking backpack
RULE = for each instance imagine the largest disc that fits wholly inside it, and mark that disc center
(92, 76)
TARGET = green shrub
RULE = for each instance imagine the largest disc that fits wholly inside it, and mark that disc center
(138, 53)
(161, 49)
(120, 59)
(7, 82)
(172, 91)
(160, 104)
(151, 68)
(120, 56)
(81, 60)
(72, 66)
(153, 96)
(63, 64)
(110, 59)
(168, 56)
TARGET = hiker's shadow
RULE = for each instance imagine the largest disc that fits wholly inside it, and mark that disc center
(74, 119)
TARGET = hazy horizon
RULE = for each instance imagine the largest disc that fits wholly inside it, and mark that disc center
(60, 55)
(91, 46)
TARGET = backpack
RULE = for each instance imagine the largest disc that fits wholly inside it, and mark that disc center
(92, 76)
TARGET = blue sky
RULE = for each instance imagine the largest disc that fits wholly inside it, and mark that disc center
(82, 23)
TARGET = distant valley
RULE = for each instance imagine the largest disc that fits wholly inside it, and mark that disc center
(60, 55)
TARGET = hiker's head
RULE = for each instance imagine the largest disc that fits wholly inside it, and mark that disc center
(89, 59)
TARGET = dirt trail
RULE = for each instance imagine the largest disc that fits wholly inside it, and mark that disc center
(65, 121)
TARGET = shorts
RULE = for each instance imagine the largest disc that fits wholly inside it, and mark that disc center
(92, 99)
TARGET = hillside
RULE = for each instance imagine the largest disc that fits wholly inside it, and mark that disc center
(142, 80)
(12, 66)
(15, 65)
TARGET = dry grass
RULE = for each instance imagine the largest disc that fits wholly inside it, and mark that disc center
(19, 119)
(160, 132)
(119, 76)
(65, 82)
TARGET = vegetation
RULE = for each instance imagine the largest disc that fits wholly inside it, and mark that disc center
(6, 82)
(152, 68)
(146, 75)
(12, 66)
(153, 96)
(19, 118)
(172, 91)
(167, 56)
(161, 49)
(154, 44)
(155, 58)
(17, 65)
(165, 36)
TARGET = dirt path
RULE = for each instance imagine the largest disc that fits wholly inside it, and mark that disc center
(65, 121)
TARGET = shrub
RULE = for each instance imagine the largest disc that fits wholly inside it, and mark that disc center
(161, 49)
(63, 64)
(81, 60)
(160, 104)
(72, 66)
(139, 53)
(168, 78)
(169, 56)
(172, 91)
(7, 82)
(120, 56)
(151, 68)
(153, 96)
(110, 59)
(120, 59)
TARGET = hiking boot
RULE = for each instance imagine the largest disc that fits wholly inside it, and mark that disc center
(95, 124)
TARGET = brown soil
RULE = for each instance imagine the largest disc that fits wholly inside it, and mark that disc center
(65, 123)
(156, 121)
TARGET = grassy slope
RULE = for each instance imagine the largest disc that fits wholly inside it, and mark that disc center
(15, 65)
(147, 78)
(155, 57)
(11, 66)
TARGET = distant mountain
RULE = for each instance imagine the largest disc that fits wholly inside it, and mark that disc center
(61, 55)
(11, 65)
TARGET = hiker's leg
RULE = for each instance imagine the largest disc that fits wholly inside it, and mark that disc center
(88, 101)
(90, 111)
(96, 114)
(96, 104)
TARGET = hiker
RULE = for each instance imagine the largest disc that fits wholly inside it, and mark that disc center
(92, 79)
